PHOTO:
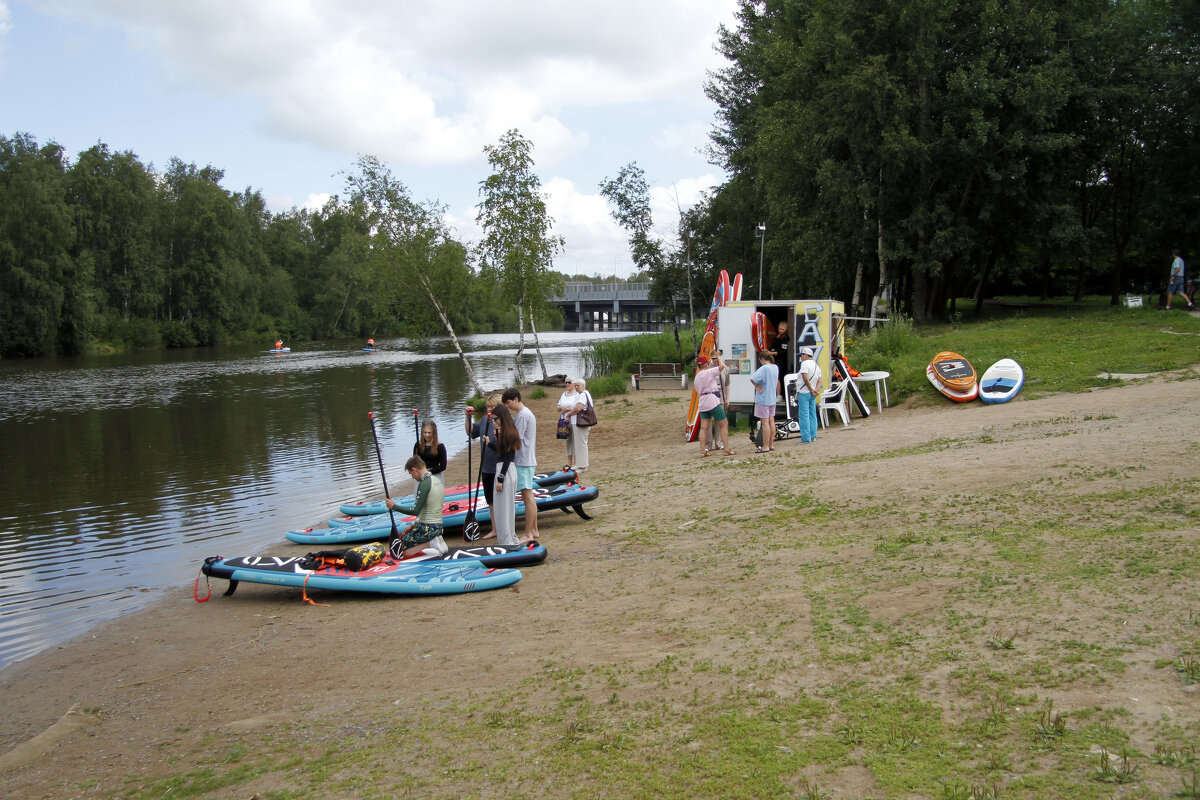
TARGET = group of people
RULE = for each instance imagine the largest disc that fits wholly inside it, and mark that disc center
(508, 432)
(574, 401)
(712, 385)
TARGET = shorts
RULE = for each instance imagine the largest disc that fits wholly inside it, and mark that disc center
(1176, 285)
(717, 413)
(525, 478)
(764, 412)
(420, 533)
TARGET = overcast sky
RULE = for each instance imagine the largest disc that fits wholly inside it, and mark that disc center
(284, 94)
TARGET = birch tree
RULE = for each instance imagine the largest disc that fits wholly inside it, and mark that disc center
(518, 247)
(409, 244)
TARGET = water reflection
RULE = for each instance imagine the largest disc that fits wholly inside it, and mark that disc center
(121, 473)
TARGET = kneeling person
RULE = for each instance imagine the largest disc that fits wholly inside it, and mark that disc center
(431, 494)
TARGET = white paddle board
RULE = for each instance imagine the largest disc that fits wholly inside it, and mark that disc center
(1001, 381)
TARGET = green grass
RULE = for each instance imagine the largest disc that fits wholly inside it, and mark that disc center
(1060, 350)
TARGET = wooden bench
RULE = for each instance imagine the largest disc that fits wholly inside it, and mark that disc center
(656, 370)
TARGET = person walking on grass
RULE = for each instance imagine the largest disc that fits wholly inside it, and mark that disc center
(526, 458)
(1176, 283)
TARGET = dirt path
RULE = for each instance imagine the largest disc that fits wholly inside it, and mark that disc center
(157, 683)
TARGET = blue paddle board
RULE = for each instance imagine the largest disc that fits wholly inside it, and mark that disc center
(405, 504)
(569, 497)
(386, 577)
(1001, 381)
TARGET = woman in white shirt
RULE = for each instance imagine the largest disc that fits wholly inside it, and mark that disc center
(566, 408)
(577, 445)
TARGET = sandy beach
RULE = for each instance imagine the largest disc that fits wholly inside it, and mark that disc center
(711, 561)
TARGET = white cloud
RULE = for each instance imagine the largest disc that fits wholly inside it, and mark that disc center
(424, 83)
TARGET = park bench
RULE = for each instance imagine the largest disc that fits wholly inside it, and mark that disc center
(659, 370)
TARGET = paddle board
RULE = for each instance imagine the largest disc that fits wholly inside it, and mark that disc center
(386, 577)
(569, 497)
(405, 503)
(762, 332)
(493, 555)
(954, 393)
(1001, 381)
(953, 371)
(280, 350)
(369, 349)
(735, 290)
(841, 370)
(691, 427)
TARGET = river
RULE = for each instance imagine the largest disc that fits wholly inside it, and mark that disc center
(120, 474)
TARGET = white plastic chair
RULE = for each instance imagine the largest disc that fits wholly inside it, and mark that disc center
(834, 400)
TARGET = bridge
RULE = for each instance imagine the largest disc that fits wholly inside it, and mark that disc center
(607, 306)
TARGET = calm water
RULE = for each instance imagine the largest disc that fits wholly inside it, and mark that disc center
(120, 474)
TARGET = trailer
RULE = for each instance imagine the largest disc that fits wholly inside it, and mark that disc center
(812, 323)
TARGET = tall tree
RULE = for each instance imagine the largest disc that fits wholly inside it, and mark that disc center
(518, 247)
(410, 245)
(45, 300)
(629, 196)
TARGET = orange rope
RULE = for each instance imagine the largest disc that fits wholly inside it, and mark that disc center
(196, 590)
(304, 593)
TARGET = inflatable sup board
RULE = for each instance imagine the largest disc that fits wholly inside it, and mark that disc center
(1001, 381)
(953, 376)
(691, 427)
(841, 371)
(386, 577)
(762, 332)
(569, 497)
(280, 350)
(405, 504)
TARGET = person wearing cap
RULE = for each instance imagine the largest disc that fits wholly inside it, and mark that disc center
(707, 384)
(1176, 282)
(807, 392)
(765, 380)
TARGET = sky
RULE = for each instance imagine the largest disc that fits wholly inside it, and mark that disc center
(284, 95)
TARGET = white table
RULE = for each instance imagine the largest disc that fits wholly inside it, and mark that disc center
(878, 378)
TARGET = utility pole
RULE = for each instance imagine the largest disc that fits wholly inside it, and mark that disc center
(762, 233)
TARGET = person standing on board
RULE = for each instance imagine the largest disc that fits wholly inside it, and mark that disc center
(808, 389)
(431, 495)
(279, 344)
(526, 458)
(764, 380)
(504, 512)
(1176, 283)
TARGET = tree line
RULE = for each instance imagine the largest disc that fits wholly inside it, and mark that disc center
(928, 150)
(105, 249)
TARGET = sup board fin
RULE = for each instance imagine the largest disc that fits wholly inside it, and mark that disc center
(579, 510)
(232, 587)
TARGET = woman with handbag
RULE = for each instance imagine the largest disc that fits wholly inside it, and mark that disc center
(566, 419)
(583, 417)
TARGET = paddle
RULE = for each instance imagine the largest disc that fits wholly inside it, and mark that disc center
(471, 527)
(394, 536)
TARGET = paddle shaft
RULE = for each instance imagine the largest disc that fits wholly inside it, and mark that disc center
(379, 455)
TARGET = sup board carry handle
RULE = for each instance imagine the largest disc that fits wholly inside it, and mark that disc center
(395, 534)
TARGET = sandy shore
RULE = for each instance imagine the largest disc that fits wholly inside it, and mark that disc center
(148, 690)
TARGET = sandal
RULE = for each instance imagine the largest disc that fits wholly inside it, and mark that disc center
(730, 453)
(760, 450)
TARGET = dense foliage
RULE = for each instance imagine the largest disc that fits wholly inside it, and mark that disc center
(106, 249)
(954, 148)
